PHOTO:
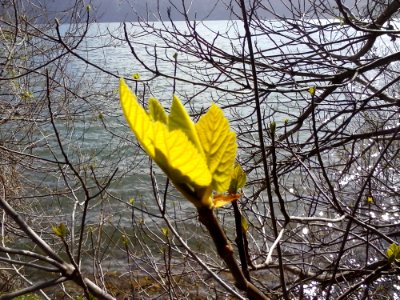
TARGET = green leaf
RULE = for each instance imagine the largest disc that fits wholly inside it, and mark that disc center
(245, 224)
(170, 148)
(393, 253)
(180, 120)
(26, 95)
(272, 127)
(179, 158)
(165, 231)
(136, 76)
(91, 297)
(137, 118)
(60, 230)
(219, 145)
(238, 179)
(29, 296)
(124, 240)
(132, 201)
(157, 112)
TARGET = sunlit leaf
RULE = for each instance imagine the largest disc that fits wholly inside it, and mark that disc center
(137, 118)
(171, 149)
(219, 145)
(312, 90)
(272, 127)
(179, 119)
(179, 158)
(136, 76)
(56, 231)
(132, 201)
(197, 158)
(244, 223)
(221, 200)
(157, 112)
(393, 253)
(238, 179)
(165, 231)
(370, 200)
(60, 230)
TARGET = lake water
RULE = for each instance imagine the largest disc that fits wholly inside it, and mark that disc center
(97, 136)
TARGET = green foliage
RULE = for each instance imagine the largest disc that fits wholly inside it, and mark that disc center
(165, 231)
(26, 95)
(198, 158)
(312, 90)
(244, 223)
(124, 240)
(28, 297)
(272, 127)
(60, 230)
(393, 253)
(238, 179)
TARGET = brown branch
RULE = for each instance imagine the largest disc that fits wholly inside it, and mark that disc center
(225, 251)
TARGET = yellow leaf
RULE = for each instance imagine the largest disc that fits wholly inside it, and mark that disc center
(179, 119)
(370, 200)
(136, 76)
(165, 231)
(238, 179)
(137, 118)
(393, 253)
(172, 150)
(219, 145)
(157, 112)
(60, 230)
(179, 158)
(221, 200)
(312, 90)
(245, 224)
(125, 240)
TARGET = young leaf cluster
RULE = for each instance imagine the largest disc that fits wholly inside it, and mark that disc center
(197, 157)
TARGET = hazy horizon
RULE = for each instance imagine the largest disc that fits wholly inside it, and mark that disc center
(132, 10)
